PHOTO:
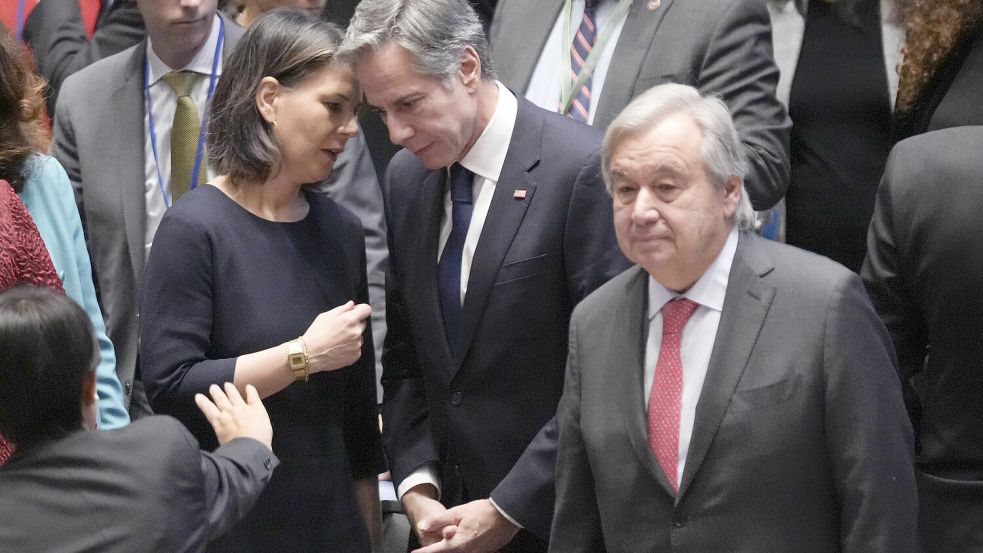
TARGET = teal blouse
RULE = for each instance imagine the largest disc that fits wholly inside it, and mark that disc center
(51, 203)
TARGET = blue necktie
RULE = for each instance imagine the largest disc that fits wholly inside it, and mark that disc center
(449, 266)
(583, 43)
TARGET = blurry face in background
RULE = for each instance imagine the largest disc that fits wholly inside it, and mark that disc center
(177, 28)
(313, 8)
(314, 120)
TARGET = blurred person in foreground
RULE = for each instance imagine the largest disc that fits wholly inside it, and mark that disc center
(729, 393)
(43, 186)
(145, 487)
(257, 279)
(923, 271)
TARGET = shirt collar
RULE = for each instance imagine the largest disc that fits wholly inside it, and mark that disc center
(487, 156)
(708, 291)
(201, 63)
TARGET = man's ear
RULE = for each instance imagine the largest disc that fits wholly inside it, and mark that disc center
(470, 68)
(732, 194)
(267, 94)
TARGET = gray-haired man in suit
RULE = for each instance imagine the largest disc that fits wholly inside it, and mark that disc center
(729, 393)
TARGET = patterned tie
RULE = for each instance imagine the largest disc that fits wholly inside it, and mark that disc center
(184, 135)
(449, 266)
(665, 399)
(582, 44)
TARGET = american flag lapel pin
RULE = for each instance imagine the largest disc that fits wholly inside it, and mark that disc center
(519, 194)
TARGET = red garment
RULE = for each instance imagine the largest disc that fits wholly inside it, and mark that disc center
(23, 257)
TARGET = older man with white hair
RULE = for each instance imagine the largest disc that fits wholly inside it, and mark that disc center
(728, 393)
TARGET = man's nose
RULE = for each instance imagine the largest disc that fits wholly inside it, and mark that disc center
(646, 207)
(399, 131)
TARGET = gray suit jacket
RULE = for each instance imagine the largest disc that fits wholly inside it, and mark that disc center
(800, 442)
(721, 47)
(143, 488)
(99, 139)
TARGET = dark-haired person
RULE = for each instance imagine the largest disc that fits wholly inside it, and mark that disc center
(259, 280)
(942, 70)
(145, 487)
(43, 186)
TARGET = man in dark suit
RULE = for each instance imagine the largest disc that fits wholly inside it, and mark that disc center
(721, 47)
(729, 393)
(923, 272)
(56, 35)
(120, 170)
(498, 225)
(144, 487)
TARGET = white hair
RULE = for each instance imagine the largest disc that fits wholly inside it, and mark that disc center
(723, 153)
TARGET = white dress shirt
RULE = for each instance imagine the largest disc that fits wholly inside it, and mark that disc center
(698, 337)
(485, 159)
(163, 101)
(544, 86)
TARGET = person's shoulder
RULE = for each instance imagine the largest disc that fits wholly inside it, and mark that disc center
(798, 269)
(94, 78)
(560, 131)
(203, 208)
(600, 302)
(157, 432)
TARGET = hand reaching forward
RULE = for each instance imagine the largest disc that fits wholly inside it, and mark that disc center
(334, 339)
(232, 417)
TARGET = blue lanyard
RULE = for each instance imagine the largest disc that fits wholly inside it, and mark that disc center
(204, 117)
(19, 22)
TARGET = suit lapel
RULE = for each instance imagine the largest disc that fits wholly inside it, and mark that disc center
(628, 347)
(746, 305)
(537, 21)
(640, 27)
(505, 214)
(126, 163)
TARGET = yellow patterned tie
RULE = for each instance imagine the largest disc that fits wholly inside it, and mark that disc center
(184, 135)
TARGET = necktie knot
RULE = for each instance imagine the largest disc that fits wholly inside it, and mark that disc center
(180, 82)
(462, 181)
(675, 314)
(591, 4)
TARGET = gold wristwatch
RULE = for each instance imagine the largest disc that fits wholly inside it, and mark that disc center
(297, 359)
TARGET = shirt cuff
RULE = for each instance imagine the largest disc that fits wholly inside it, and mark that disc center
(504, 514)
(425, 474)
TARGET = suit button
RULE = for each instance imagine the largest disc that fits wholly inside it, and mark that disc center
(457, 398)
(678, 521)
(268, 464)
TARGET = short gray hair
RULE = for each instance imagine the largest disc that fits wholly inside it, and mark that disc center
(285, 44)
(435, 32)
(723, 153)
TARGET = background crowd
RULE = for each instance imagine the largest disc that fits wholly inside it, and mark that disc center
(417, 235)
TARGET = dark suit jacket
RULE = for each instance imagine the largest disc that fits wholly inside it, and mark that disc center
(800, 442)
(145, 487)
(537, 257)
(99, 139)
(55, 33)
(721, 47)
(923, 272)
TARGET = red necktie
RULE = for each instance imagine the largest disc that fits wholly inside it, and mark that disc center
(583, 43)
(665, 398)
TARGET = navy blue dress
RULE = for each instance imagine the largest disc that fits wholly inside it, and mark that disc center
(222, 282)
